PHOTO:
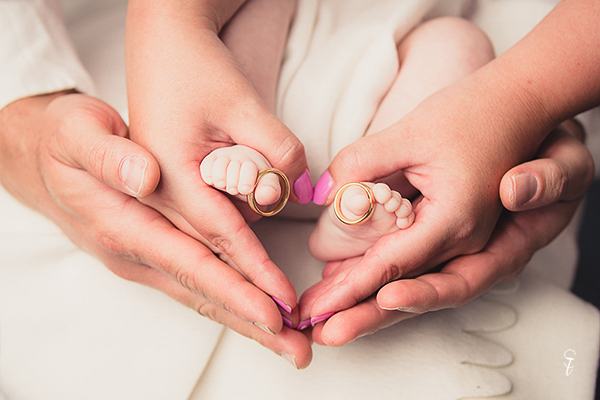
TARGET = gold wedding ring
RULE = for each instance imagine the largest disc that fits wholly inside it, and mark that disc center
(337, 204)
(283, 199)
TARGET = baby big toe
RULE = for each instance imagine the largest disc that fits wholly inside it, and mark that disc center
(268, 190)
(355, 202)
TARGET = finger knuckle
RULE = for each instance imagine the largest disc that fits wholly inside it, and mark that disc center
(97, 156)
(556, 180)
(290, 151)
(349, 159)
(221, 244)
(111, 242)
(206, 309)
(188, 280)
(392, 272)
(469, 236)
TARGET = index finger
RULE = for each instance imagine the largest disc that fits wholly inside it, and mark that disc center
(399, 254)
(211, 218)
(517, 237)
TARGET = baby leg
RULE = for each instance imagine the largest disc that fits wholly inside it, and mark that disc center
(434, 55)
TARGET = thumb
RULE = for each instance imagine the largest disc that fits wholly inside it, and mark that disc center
(563, 171)
(265, 133)
(369, 158)
(94, 140)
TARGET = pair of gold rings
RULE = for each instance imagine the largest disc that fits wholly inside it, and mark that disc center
(285, 195)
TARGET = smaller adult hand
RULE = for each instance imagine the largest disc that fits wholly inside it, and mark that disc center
(67, 156)
(563, 170)
(187, 97)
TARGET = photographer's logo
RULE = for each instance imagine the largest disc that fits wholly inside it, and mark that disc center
(569, 356)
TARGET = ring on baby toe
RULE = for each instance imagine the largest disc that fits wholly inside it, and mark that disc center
(283, 198)
(337, 204)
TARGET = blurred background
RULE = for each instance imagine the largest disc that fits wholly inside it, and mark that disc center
(587, 281)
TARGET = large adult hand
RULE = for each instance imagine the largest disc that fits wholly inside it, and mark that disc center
(187, 97)
(67, 157)
(454, 148)
(545, 191)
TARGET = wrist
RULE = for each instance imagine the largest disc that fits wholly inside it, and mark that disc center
(207, 14)
(21, 129)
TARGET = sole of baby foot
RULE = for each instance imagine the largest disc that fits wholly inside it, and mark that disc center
(333, 239)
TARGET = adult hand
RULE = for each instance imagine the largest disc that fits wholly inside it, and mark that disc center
(546, 193)
(67, 156)
(188, 97)
(451, 148)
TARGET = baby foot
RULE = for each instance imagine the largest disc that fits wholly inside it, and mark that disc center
(235, 169)
(334, 240)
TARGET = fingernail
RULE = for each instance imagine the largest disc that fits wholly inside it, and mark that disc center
(287, 322)
(303, 188)
(303, 325)
(132, 173)
(525, 187)
(264, 328)
(281, 304)
(289, 358)
(320, 318)
(322, 188)
(399, 308)
(411, 310)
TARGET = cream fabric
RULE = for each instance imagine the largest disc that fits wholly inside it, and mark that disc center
(37, 55)
(511, 342)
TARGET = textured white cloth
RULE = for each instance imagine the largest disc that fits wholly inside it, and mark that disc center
(510, 342)
(70, 329)
(36, 53)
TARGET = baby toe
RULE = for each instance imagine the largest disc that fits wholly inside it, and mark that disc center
(404, 223)
(206, 169)
(247, 177)
(405, 209)
(382, 193)
(219, 173)
(393, 203)
(268, 190)
(233, 175)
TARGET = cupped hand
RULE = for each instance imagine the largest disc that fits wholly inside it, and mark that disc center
(450, 227)
(68, 157)
(188, 97)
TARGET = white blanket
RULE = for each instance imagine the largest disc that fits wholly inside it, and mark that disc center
(70, 329)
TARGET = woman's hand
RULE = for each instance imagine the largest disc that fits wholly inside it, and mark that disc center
(546, 193)
(454, 148)
(188, 97)
(67, 156)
